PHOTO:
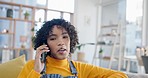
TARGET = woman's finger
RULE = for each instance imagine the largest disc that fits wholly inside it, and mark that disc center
(38, 54)
(42, 47)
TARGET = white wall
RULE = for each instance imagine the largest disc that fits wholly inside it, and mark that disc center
(110, 14)
(85, 21)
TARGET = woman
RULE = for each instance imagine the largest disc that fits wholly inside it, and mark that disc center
(58, 38)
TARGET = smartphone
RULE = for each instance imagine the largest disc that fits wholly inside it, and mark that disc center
(43, 56)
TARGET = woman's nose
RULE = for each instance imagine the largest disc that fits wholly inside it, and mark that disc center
(60, 42)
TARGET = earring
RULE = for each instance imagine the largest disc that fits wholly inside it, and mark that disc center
(70, 56)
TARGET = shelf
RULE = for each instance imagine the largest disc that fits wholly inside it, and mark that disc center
(109, 46)
(21, 5)
(12, 29)
(33, 7)
(107, 58)
(108, 26)
(15, 19)
(9, 33)
(112, 35)
(15, 48)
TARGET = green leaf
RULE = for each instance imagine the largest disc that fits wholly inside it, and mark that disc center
(101, 50)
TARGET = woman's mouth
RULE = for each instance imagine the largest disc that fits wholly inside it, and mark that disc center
(62, 51)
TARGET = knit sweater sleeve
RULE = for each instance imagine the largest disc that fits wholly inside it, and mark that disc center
(91, 71)
(28, 71)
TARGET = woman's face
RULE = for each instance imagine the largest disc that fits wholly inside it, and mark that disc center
(59, 43)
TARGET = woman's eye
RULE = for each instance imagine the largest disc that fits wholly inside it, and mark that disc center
(52, 38)
(65, 36)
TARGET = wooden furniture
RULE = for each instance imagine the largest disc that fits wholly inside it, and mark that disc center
(110, 36)
(110, 19)
(12, 32)
(130, 59)
(13, 25)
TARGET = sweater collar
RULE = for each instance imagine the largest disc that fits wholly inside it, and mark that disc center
(57, 62)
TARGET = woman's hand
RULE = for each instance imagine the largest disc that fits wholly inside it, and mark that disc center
(38, 67)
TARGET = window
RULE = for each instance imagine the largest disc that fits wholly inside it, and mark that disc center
(133, 25)
(62, 5)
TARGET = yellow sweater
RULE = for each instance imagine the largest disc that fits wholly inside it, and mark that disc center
(62, 67)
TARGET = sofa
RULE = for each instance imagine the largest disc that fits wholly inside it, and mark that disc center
(135, 75)
(12, 68)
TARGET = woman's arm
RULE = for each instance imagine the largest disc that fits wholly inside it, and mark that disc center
(99, 72)
(91, 71)
(28, 71)
(33, 68)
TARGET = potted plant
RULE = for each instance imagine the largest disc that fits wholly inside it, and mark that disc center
(80, 54)
(26, 14)
(101, 53)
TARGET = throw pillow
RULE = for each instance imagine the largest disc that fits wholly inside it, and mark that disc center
(12, 68)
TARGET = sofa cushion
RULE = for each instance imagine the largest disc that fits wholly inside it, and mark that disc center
(12, 68)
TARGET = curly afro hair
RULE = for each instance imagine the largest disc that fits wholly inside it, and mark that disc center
(43, 33)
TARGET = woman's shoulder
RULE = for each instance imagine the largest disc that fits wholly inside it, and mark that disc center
(78, 63)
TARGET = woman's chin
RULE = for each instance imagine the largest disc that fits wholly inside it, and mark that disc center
(61, 57)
